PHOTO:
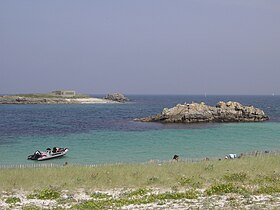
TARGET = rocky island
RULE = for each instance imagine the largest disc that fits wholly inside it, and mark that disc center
(56, 97)
(117, 97)
(200, 112)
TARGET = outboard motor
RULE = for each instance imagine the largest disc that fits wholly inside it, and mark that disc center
(35, 156)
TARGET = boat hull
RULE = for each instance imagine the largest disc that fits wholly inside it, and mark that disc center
(40, 156)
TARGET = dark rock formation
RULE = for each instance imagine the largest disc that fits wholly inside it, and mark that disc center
(195, 113)
(116, 97)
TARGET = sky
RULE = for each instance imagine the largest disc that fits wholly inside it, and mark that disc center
(140, 46)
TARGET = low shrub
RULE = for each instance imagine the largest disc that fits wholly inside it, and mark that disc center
(184, 181)
(13, 200)
(209, 167)
(268, 190)
(153, 180)
(274, 178)
(224, 188)
(236, 177)
(145, 199)
(138, 192)
(46, 194)
(178, 195)
(94, 205)
(31, 208)
(98, 195)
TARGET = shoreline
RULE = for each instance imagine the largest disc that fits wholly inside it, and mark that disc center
(45, 164)
(7, 100)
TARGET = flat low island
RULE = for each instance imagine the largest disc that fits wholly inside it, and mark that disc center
(61, 97)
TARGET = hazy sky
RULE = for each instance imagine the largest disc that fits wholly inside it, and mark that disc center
(140, 46)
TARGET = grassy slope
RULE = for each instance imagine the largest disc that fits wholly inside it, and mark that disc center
(251, 172)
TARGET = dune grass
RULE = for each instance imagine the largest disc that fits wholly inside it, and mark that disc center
(253, 173)
(150, 183)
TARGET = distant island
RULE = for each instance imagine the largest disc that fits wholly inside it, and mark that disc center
(200, 112)
(61, 97)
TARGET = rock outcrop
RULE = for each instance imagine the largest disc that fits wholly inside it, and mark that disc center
(200, 112)
(116, 97)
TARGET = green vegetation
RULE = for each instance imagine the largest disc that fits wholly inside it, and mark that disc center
(268, 189)
(98, 195)
(12, 200)
(45, 194)
(245, 177)
(237, 177)
(138, 192)
(224, 188)
(255, 171)
(136, 197)
(31, 208)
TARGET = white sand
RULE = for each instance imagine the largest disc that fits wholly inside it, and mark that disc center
(92, 101)
(226, 201)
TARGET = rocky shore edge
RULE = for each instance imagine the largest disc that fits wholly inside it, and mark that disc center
(200, 112)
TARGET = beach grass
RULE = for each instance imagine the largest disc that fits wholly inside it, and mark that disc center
(201, 183)
(250, 171)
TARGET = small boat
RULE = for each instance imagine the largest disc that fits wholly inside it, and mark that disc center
(49, 154)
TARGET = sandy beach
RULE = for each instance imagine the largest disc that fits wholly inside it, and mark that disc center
(92, 101)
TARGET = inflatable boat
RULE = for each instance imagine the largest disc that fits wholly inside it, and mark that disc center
(49, 154)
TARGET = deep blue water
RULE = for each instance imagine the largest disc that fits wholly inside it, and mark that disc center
(106, 133)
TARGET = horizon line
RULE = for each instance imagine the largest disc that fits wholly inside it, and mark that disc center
(165, 94)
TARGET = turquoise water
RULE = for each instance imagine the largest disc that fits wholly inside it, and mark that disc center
(97, 134)
(133, 146)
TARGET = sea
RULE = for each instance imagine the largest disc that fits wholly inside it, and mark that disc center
(107, 133)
